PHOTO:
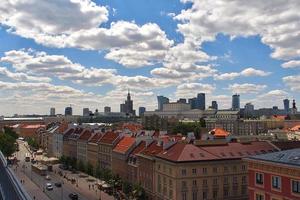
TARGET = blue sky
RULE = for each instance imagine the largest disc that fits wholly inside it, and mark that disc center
(88, 53)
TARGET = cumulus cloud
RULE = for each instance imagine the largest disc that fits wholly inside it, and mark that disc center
(293, 82)
(291, 64)
(246, 73)
(6, 74)
(246, 88)
(188, 90)
(275, 21)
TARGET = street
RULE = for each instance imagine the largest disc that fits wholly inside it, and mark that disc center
(82, 188)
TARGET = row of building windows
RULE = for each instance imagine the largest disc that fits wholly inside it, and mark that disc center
(214, 170)
(216, 180)
(276, 183)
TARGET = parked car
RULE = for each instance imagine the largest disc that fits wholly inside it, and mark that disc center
(48, 177)
(49, 186)
(57, 184)
(73, 196)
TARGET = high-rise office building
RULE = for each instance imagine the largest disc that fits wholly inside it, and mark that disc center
(107, 109)
(192, 102)
(235, 102)
(181, 100)
(122, 108)
(86, 112)
(286, 104)
(249, 110)
(142, 110)
(161, 100)
(52, 111)
(68, 111)
(200, 101)
(214, 105)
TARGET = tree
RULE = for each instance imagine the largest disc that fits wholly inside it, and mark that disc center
(9, 131)
(126, 187)
(7, 144)
(80, 166)
(98, 172)
(89, 169)
(32, 143)
(138, 192)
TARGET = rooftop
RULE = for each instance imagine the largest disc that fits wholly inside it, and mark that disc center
(152, 150)
(285, 145)
(109, 137)
(32, 126)
(124, 144)
(289, 157)
(219, 132)
(85, 135)
(95, 138)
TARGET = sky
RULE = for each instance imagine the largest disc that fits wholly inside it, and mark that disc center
(84, 53)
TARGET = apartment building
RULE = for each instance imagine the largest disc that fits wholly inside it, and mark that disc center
(92, 149)
(82, 143)
(274, 176)
(190, 172)
(70, 142)
(106, 144)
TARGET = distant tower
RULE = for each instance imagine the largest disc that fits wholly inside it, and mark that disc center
(161, 100)
(68, 111)
(52, 111)
(294, 109)
(86, 112)
(192, 102)
(286, 104)
(214, 105)
(235, 102)
(200, 101)
(141, 111)
(249, 110)
(107, 109)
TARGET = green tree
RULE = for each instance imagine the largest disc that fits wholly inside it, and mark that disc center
(80, 166)
(98, 172)
(138, 192)
(126, 187)
(11, 132)
(89, 169)
(32, 143)
(7, 144)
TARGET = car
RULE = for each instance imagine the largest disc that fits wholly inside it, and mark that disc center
(48, 177)
(57, 184)
(49, 186)
(73, 196)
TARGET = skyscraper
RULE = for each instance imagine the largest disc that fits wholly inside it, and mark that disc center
(214, 105)
(52, 111)
(286, 104)
(86, 112)
(294, 108)
(249, 109)
(192, 102)
(181, 100)
(141, 111)
(107, 109)
(200, 101)
(161, 100)
(235, 102)
(68, 111)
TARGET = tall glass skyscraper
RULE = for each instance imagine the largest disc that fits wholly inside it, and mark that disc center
(235, 102)
(200, 101)
(286, 104)
(161, 100)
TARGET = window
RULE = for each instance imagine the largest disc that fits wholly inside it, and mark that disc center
(204, 170)
(170, 183)
(215, 170)
(244, 189)
(194, 182)
(170, 171)
(225, 180)
(194, 171)
(243, 167)
(215, 194)
(259, 178)
(158, 166)
(226, 192)
(195, 194)
(234, 180)
(204, 182)
(204, 195)
(183, 183)
(183, 195)
(183, 172)
(234, 168)
(276, 182)
(259, 197)
(244, 180)
(225, 169)
(296, 186)
(171, 194)
(215, 181)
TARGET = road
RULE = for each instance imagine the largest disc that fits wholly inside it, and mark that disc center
(81, 188)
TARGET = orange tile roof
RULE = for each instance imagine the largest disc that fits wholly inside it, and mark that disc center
(219, 132)
(132, 127)
(141, 146)
(124, 144)
(152, 150)
(109, 137)
(279, 117)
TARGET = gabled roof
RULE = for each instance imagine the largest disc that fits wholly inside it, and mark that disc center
(85, 135)
(95, 138)
(109, 137)
(289, 157)
(181, 152)
(152, 150)
(141, 146)
(68, 132)
(124, 145)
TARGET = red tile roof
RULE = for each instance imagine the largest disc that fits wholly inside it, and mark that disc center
(181, 152)
(85, 135)
(239, 150)
(295, 128)
(124, 144)
(152, 150)
(141, 146)
(109, 137)
(132, 127)
(95, 138)
(68, 132)
(285, 145)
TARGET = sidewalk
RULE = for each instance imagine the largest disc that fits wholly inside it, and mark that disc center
(32, 189)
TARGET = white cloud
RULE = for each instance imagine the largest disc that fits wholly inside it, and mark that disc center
(188, 90)
(246, 73)
(291, 64)
(6, 74)
(275, 21)
(246, 88)
(293, 82)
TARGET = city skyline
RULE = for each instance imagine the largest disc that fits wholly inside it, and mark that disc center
(90, 62)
